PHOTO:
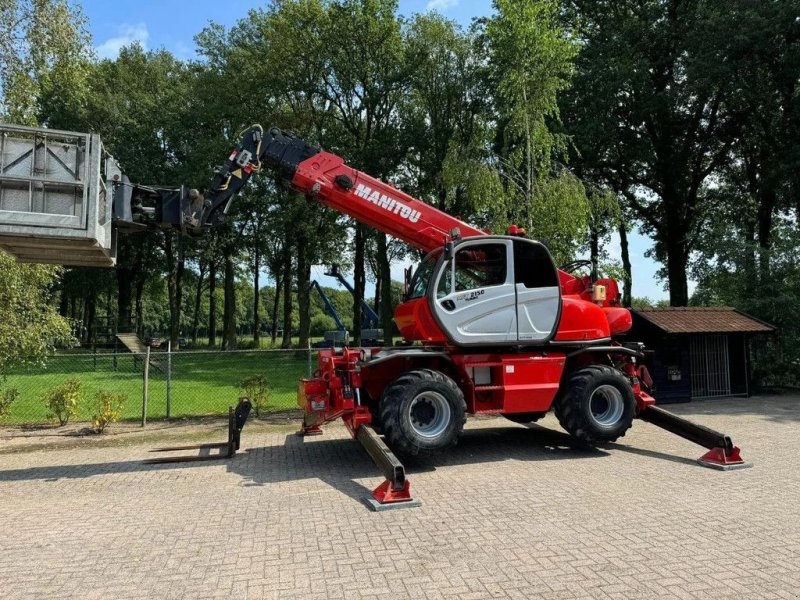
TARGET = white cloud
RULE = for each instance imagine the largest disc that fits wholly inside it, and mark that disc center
(126, 35)
(441, 5)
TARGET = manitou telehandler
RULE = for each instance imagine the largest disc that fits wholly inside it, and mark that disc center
(494, 327)
(491, 325)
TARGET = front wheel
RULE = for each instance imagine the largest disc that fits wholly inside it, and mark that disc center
(421, 412)
(597, 404)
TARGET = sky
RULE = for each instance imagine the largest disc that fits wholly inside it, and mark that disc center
(172, 24)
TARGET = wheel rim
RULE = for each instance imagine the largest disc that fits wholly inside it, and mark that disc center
(429, 414)
(606, 405)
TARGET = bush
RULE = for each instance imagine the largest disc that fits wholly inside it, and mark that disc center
(108, 409)
(320, 323)
(255, 388)
(63, 400)
(7, 397)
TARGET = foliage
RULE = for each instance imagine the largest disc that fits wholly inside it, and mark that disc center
(648, 115)
(108, 409)
(7, 397)
(257, 390)
(320, 323)
(45, 53)
(63, 400)
(30, 327)
(530, 64)
(680, 117)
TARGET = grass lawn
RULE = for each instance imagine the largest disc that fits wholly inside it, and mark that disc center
(202, 383)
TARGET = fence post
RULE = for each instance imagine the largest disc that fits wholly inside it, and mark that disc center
(169, 377)
(144, 387)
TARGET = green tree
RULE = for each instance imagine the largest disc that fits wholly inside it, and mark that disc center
(45, 54)
(530, 64)
(648, 114)
(30, 326)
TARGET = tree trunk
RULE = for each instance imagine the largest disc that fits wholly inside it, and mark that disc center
(376, 304)
(286, 342)
(676, 272)
(359, 282)
(256, 300)
(766, 209)
(173, 246)
(303, 292)
(91, 321)
(275, 304)
(385, 278)
(212, 304)
(229, 310)
(627, 293)
(594, 250)
(125, 278)
(139, 324)
(528, 162)
(63, 304)
(198, 296)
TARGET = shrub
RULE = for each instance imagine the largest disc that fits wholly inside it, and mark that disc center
(7, 397)
(255, 388)
(63, 400)
(108, 409)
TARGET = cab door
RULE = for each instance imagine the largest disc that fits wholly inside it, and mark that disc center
(538, 292)
(473, 295)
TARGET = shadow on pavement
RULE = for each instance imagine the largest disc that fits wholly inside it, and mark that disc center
(340, 462)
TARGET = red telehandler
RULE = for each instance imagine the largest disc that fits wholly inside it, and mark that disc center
(493, 327)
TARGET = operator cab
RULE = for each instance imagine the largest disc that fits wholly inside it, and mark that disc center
(491, 290)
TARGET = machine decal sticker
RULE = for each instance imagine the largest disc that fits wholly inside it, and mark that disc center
(387, 202)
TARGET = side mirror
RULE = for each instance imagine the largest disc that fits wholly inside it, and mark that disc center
(449, 250)
(406, 281)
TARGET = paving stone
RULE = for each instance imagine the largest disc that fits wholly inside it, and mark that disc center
(510, 512)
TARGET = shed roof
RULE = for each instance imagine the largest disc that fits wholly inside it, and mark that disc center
(703, 319)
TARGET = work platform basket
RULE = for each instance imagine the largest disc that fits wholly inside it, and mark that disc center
(55, 205)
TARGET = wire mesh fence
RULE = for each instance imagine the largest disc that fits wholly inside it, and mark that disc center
(179, 384)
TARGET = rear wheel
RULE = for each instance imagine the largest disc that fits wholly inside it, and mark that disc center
(422, 412)
(597, 405)
(525, 418)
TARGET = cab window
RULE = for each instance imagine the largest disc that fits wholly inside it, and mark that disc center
(533, 266)
(419, 283)
(476, 266)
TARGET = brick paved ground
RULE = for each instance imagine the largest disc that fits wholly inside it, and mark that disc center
(512, 512)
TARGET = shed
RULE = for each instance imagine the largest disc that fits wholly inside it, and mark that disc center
(697, 352)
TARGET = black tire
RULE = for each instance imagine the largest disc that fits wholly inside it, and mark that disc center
(422, 412)
(525, 418)
(596, 405)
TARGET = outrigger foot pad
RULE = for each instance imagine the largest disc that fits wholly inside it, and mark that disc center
(310, 430)
(395, 491)
(723, 460)
(385, 498)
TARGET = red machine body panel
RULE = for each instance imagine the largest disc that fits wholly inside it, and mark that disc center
(415, 322)
(377, 204)
(509, 383)
(581, 321)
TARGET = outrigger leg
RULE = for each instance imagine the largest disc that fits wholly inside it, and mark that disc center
(722, 454)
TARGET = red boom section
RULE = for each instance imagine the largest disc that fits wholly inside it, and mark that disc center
(326, 178)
